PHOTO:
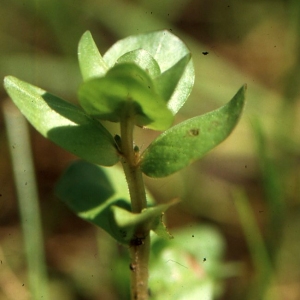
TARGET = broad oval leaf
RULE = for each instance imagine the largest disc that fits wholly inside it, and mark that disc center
(90, 60)
(124, 85)
(100, 196)
(167, 50)
(63, 123)
(143, 59)
(190, 140)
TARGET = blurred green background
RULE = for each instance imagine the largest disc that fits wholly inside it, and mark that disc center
(247, 188)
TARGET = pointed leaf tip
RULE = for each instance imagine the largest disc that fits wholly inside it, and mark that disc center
(90, 60)
(188, 141)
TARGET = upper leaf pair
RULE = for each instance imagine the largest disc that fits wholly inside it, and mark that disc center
(136, 71)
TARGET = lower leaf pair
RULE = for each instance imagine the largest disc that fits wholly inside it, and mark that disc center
(100, 196)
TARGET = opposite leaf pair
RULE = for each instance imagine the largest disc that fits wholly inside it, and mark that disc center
(154, 74)
(134, 73)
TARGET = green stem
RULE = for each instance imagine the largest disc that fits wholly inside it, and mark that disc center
(140, 244)
(131, 167)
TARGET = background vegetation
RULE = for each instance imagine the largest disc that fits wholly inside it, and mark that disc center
(246, 191)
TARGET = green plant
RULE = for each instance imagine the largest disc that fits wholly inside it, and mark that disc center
(141, 81)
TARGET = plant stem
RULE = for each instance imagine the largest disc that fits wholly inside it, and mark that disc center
(139, 255)
(140, 245)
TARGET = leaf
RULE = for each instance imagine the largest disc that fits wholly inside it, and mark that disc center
(125, 85)
(169, 86)
(167, 50)
(90, 60)
(143, 59)
(63, 123)
(148, 219)
(190, 140)
(90, 191)
(100, 195)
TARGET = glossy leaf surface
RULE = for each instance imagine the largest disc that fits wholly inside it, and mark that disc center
(190, 140)
(63, 123)
(167, 50)
(91, 62)
(100, 195)
(125, 85)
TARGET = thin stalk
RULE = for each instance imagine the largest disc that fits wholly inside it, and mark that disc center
(258, 250)
(140, 245)
(19, 141)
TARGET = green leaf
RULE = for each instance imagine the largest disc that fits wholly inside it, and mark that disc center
(190, 140)
(167, 50)
(63, 123)
(143, 59)
(148, 219)
(90, 60)
(100, 195)
(169, 86)
(125, 84)
(90, 191)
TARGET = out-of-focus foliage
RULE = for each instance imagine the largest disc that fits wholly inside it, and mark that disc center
(247, 41)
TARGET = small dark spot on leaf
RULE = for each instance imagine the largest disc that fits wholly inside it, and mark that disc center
(193, 132)
(245, 166)
(25, 183)
(151, 12)
(23, 284)
(261, 211)
(204, 259)
(192, 235)
(170, 29)
(205, 52)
